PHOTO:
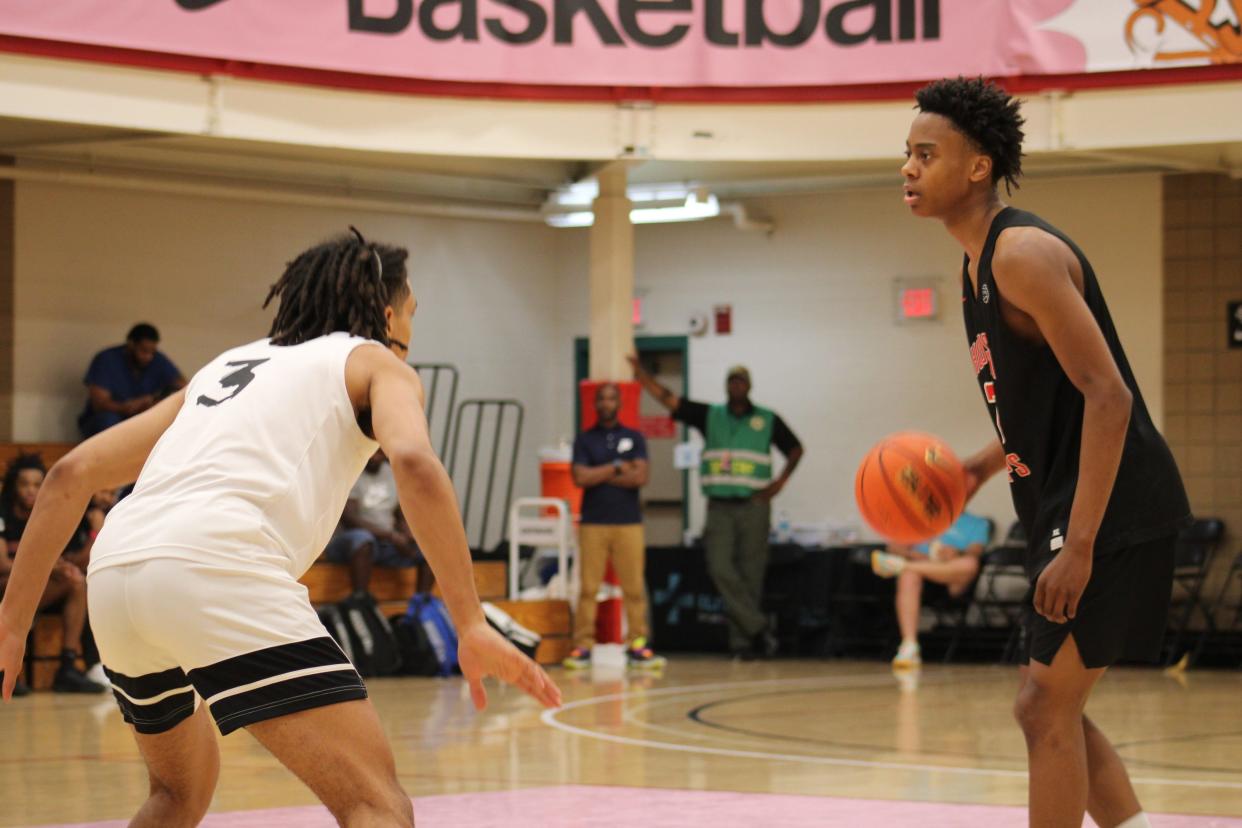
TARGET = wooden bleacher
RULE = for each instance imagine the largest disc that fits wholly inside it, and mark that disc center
(328, 583)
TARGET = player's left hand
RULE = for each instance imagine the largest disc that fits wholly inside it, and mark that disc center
(482, 652)
(12, 649)
(1061, 584)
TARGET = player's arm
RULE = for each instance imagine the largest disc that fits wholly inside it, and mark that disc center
(1030, 271)
(982, 465)
(423, 486)
(110, 459)
(393, 392)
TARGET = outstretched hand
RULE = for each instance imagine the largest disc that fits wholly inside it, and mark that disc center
(12, 648)
(483, 652)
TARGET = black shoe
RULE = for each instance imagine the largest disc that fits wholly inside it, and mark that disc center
(765, 645)
(72, 680)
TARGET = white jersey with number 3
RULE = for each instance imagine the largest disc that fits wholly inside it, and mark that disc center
(255, 470)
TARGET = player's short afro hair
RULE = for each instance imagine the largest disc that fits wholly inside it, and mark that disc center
(985, 114)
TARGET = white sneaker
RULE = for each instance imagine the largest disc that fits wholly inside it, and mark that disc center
(886, 565)
(908, 656)
(97, 675)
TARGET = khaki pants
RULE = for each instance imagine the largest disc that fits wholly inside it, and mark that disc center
(736, 542)
(625, 546)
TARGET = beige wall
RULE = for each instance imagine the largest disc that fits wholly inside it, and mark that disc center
(92, 262)
(813, 317)
(1203, 273)
(812, 305)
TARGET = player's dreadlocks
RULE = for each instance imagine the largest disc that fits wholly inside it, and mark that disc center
(985, 114)
(340, 285)
(21, 463)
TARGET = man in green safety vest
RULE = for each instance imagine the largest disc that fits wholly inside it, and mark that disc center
(736, 476)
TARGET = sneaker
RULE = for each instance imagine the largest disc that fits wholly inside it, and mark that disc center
(908, 657)
(766, 644)
(578, 659)
(97, 675)
(641, 657)
(886, 565)
(907, 680)
(72, 680)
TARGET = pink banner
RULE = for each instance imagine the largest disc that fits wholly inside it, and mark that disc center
(665, 43)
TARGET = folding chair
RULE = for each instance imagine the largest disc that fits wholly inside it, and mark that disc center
(1196, 548)
(1000, 591)
(1221, 605)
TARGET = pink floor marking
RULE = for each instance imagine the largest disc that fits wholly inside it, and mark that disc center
(583, 806)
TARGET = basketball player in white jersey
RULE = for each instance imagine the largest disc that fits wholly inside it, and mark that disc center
(194, 591)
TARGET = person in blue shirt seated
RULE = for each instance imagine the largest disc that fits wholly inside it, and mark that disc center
(951, 560)
(127, 379)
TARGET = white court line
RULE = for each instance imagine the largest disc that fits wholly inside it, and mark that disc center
(631, 712)
(549, 717)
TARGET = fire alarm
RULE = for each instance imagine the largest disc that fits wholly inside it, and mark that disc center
(724, 319)
(697, 323)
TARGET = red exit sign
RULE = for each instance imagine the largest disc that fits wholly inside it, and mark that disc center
(917, 302)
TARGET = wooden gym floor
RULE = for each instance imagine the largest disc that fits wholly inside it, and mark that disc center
(710, 742)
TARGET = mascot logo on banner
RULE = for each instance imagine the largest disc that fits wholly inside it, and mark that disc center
(1219, 32)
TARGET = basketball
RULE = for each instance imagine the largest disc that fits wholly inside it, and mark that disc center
(910, 487)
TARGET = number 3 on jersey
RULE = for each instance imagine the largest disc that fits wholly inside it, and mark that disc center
(237, 380)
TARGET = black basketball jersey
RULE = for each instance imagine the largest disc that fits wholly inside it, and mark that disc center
(1038, 413)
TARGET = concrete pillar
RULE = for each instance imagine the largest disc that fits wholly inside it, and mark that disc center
(612, 278)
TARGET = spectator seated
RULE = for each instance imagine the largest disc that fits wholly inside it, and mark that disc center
(950, 563)
(66, 587)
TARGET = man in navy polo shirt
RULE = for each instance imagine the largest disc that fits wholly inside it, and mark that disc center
(610, 464)
(127, 379)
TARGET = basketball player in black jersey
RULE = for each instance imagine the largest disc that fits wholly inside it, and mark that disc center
(1093, 482)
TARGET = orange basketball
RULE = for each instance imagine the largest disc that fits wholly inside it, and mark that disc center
(910, 487)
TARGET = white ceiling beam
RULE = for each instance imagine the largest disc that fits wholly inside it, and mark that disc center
(180, 103)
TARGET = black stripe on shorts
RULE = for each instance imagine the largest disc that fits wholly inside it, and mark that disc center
(134, 696)
(284, 686)
(285, 697)
(262, 664)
